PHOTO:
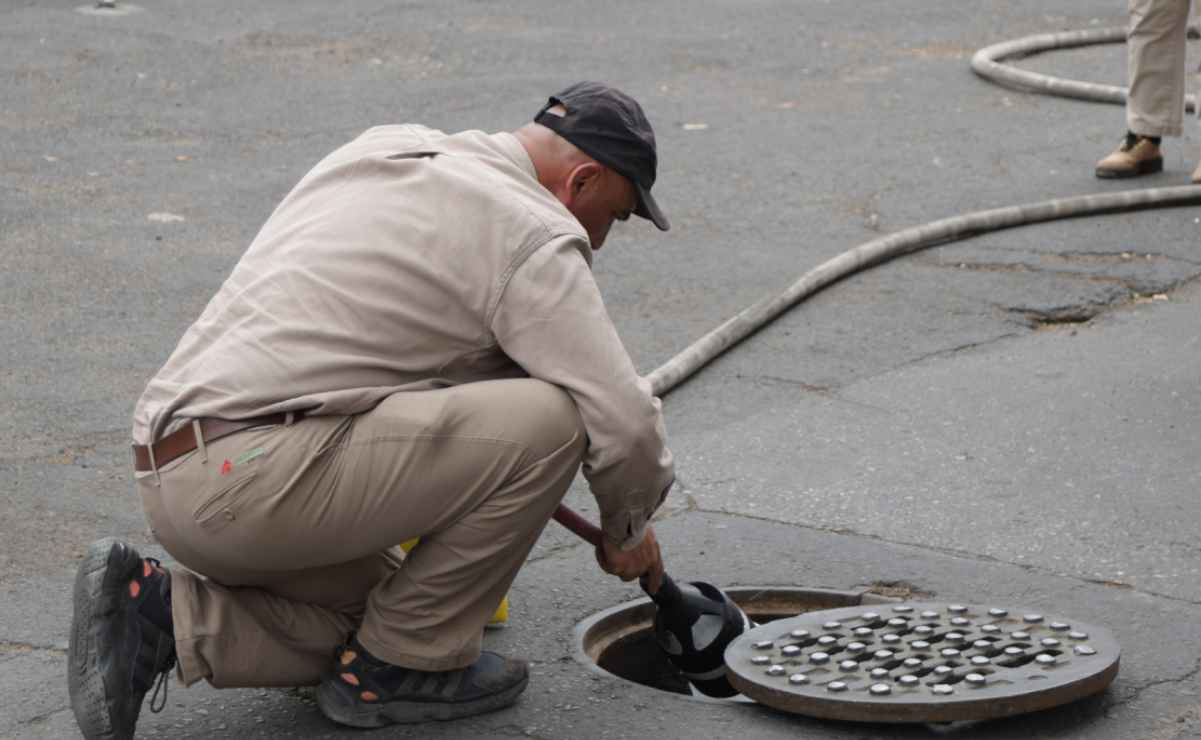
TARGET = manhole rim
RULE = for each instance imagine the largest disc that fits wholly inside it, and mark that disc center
(974, 710)
(643, 607)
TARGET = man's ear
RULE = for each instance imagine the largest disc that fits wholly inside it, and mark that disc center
(585, 176)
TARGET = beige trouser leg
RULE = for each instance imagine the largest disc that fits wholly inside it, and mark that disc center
(1155, 47)
(294, 527)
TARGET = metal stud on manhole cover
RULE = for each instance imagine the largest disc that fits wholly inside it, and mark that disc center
(1030, 662)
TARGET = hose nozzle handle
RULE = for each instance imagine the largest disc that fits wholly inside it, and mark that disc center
(583, 528)
(668, 591)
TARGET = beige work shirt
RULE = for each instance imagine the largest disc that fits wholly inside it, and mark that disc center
(410, 260)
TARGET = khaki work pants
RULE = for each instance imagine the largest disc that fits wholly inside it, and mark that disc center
(1155, 48)
(294, 527)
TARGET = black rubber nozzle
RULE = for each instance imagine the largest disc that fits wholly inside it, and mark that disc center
(694, 625)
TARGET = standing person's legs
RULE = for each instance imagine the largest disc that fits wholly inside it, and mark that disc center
(1195, 76)
(1155, 47)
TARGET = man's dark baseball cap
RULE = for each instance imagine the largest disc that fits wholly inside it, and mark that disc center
(609, 126)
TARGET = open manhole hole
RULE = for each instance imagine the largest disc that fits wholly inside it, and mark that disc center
(621, 640)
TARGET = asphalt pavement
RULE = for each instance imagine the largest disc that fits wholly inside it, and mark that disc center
(1009, 419)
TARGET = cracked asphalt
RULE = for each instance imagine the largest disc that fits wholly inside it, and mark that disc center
(1009, 419)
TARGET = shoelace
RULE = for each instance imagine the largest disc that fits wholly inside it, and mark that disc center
(1133, 139)
(161, 683)
(164, 678)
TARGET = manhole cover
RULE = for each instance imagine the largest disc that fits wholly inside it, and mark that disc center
(921, 662)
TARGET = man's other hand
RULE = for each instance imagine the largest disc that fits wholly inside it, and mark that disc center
(643, 560)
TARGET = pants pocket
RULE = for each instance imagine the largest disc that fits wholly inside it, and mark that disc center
(218, 510)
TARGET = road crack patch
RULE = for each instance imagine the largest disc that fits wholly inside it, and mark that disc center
(1138, 690)
(9, 648)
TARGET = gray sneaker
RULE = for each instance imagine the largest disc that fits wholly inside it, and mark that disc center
(367, 692)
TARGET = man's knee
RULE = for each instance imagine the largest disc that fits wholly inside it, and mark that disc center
(552, 418)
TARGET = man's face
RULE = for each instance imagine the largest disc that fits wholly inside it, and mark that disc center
(599, 200)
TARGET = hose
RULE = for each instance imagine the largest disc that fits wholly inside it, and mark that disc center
(986, 63)
(877, 251)
(702, 351)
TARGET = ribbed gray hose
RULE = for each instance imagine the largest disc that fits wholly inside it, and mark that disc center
(914, 239)
(984, 63)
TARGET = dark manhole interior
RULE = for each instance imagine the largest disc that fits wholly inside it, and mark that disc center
(620, 640)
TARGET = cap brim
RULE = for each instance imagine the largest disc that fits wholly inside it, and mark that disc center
(649, 209)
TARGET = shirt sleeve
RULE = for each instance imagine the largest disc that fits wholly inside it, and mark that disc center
(551, 320)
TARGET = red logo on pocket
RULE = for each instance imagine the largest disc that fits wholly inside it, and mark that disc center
(226, 467)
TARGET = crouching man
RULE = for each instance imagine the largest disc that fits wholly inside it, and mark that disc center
(412, 346)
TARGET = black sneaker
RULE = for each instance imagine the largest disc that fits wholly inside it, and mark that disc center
(367, 692)
(121, 639)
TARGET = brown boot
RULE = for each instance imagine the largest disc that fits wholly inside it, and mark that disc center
(1137, 155)
(1196, 179)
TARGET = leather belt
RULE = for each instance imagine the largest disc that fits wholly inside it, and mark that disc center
(183, 440)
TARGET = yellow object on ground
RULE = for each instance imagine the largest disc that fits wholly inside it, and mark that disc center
(499, 618)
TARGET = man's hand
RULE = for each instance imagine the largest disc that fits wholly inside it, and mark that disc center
(643, 561)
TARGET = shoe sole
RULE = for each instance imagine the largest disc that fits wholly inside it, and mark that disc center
(345, 710)
(85, 684)
(1146, 167)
